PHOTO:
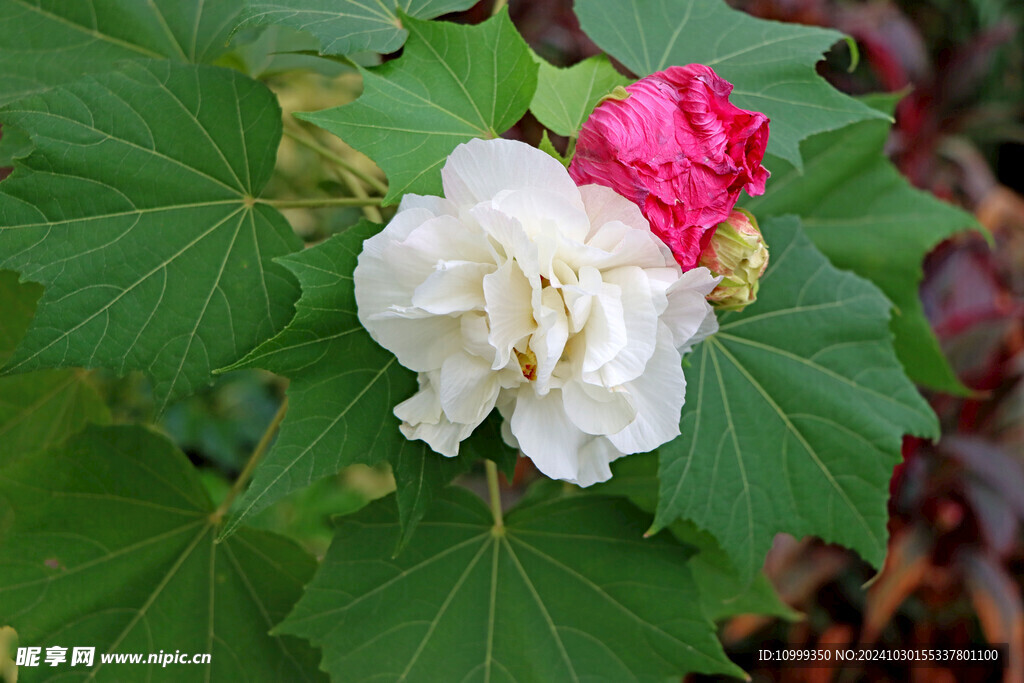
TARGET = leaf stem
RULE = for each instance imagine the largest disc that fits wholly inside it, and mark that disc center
(254, 460)
(306, 141)
(321, 203)
(570, 147)
(498, 6)
(495, 494)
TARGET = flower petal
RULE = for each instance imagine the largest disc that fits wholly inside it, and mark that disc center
(422, 419)
(597, 410)
(455, 287)
(468, 388)
(479, 169)
(508, 296)
(658, 395)
(688, 315)
(641, 323)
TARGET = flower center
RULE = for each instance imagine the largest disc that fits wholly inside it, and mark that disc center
(528, 363)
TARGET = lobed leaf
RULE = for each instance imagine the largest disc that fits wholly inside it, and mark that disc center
(347, 26)
(137, 211)
(44, 43)
(554, 595)
(724, 591)
(866, 217)
(452, 84)
(73, 573)
(40, 409)
(795, 413)
(771, 64)
(565, 97)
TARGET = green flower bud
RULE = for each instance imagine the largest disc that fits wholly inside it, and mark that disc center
(737, 252)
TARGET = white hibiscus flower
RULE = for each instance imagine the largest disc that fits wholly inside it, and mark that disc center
(553, 302)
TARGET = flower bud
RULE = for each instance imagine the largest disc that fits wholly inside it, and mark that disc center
(738, 253)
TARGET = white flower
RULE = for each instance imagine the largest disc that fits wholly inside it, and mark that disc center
(553, 302)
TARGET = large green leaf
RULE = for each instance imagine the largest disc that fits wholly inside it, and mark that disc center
(343, 390)
(770, 64)
(723, 591)
(451, 84)
(110, 544)
(795, 411)
(567, 591)
(40, 409)
(137, 212)
(48, 42)
(565, 97)
(867, 218)
(347, 26)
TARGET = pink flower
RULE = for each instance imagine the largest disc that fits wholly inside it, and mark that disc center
(678, 149)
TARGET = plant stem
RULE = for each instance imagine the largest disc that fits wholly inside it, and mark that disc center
(254, 460)
(498, 6)
(495, 494)
(305, 141)
(321, 203)
(356, 188)
(570, 147)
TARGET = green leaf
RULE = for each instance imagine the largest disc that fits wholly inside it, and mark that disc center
(136, 210)
(545, 145)
(44, 43)
(568, 591)
(40, 409)
(795, 412)
(14, 144)
(723, 591)
(770, 64)
(867, 218)
(75, 572)
(266, 52)
(18, 303)
(347, 26)
(452, 84)
(565, 97)
(343, 385)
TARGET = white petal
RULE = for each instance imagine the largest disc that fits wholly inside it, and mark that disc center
(606, 335)
(641, 324)
(546, 435)
(444, 238)
(420, 344)
(376, 287)
(707, 328)
(468, 388)
(595, 456)
(605, 205)
(439, 206)
(543, 212)
(548, 341)
(479, 169)
(424, 406)
(689, 315)
(443, 437)
(597, 410)
(422, 419)
(454, 287)
(658, 395)
(508, 295)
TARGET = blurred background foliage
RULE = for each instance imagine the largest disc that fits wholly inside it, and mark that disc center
(956, 558)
